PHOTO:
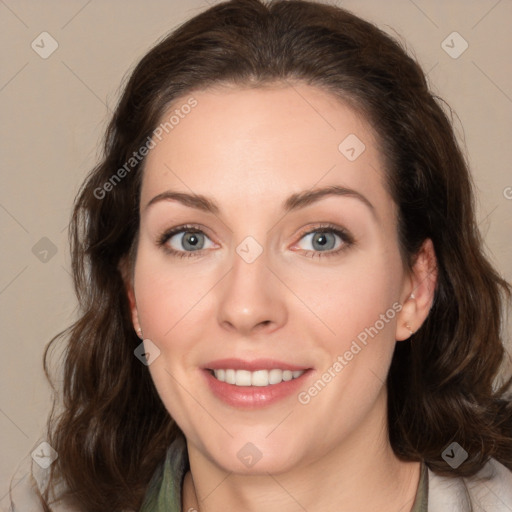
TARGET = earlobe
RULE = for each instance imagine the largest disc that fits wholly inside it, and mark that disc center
(419, 292)
(404, 330)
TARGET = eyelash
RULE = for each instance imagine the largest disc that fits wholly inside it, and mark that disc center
(346, 238)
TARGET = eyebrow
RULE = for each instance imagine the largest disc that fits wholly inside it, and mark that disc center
(294, 202)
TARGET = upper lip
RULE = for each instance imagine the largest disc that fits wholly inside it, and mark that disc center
(256, 364)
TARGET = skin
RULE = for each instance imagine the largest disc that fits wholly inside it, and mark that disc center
(248, 150)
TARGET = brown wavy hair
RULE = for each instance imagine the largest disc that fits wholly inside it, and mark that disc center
(445, 384)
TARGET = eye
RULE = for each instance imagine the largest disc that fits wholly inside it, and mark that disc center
(184, 241)
(326, 239)
(189, 240)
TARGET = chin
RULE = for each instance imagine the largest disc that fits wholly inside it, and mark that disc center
(249, 455)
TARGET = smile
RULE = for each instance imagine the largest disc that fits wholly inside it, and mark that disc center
(257, 378)
(245, 384)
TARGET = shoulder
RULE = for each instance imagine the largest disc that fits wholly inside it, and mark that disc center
(489, 490)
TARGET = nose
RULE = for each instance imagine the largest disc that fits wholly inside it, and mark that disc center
(252, 298)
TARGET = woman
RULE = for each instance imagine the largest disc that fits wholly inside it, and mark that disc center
(285, 302)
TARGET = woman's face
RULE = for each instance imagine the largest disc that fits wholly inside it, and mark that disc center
(271, 273)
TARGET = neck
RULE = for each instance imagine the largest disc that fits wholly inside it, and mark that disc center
(361, 473)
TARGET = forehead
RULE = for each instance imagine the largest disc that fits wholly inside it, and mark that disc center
(262, 144)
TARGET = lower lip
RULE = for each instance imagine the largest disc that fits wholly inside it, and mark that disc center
(252, 397)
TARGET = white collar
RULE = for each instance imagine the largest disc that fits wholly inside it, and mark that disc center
(489, 490)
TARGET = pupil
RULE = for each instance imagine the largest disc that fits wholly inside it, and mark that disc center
(322, 240)
(191, 240)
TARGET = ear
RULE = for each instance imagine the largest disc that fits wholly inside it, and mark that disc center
(127, 275)
(418, 292)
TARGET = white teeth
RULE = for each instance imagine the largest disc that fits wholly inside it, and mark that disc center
(275, 376)
(257, 378)
(230, 376)
(243, 378)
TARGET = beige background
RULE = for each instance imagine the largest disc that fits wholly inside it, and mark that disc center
(54, 112)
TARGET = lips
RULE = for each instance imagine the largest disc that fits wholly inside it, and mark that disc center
(251, 384)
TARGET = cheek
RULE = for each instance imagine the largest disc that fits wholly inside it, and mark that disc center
(360, 306)
(167, 305)
(359, 299)
(167, 296)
